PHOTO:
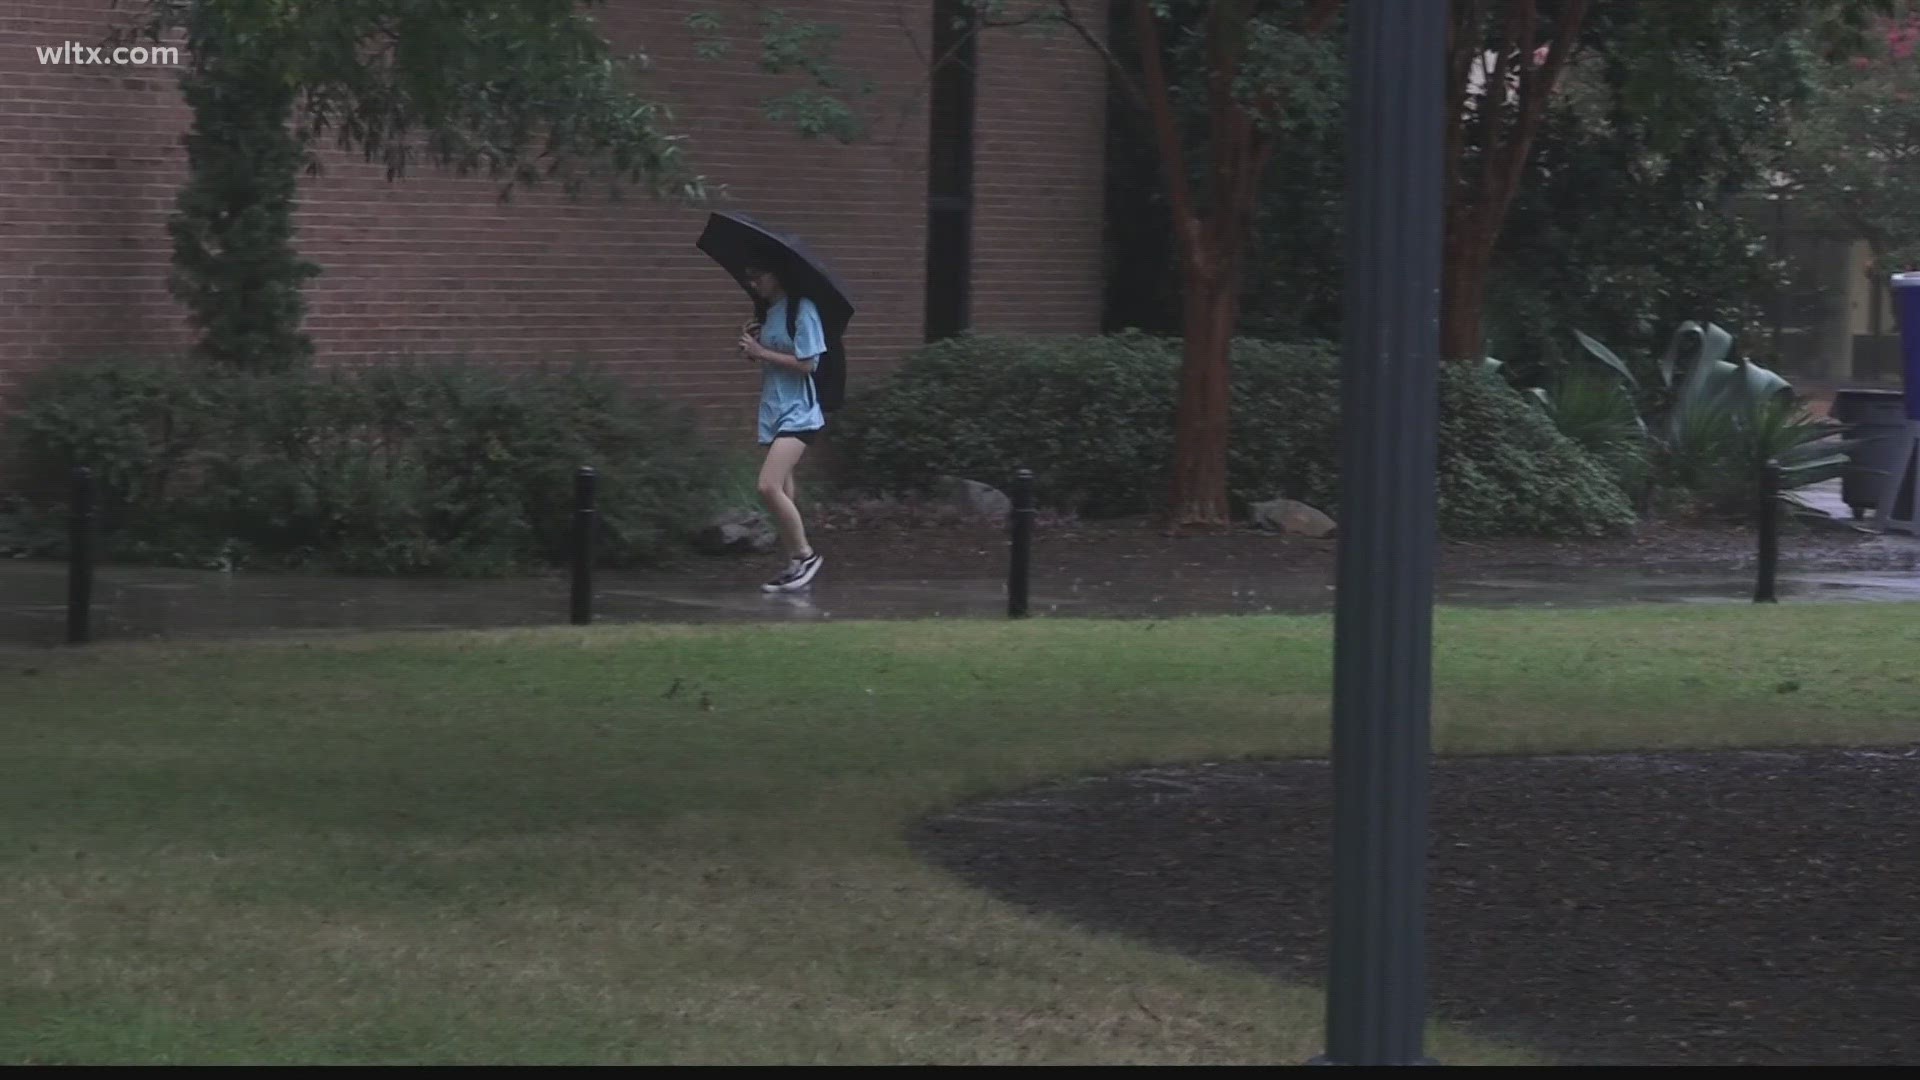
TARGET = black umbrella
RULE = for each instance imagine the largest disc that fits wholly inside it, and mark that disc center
(736, 241)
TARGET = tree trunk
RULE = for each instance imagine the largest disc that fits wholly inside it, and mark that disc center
(1212, 242)
(1463, 292)
(1477, 206)
(1198, 499)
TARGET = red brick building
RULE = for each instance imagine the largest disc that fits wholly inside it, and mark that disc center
(90, 161)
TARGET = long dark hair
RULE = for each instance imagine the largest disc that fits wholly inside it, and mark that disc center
(793, 298)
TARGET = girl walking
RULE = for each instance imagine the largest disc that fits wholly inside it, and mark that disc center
(787, 343)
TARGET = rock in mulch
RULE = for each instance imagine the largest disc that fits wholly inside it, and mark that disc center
(740, 530)
(973, 497)
(1289, 517)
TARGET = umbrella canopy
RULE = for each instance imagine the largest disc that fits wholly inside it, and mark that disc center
(737, 241)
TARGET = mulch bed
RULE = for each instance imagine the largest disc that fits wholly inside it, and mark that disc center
(1707, 909)
(1089, 549)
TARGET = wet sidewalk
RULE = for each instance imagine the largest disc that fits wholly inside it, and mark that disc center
(134, 603)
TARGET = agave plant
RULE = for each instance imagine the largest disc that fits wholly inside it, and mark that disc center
(1705, 389)
(1708, 424)
(1598, 413)
(1721, 422)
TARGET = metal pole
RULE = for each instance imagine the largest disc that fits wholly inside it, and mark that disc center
(1396, 113)
(80, 531)
(583, 528)
(1022, 544)
(1769, 510)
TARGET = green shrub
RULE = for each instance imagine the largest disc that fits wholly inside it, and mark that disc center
(389, 468)
(1600, 416)
(132, 424)
(1285, 438)
(1093, 417)
(1505, 469)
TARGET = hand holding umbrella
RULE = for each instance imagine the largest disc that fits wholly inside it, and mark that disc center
(749, 337)
(737, 242)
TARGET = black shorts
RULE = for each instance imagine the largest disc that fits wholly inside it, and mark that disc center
(806, 437)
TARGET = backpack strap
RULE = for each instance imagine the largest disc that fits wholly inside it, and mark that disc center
(793, 328)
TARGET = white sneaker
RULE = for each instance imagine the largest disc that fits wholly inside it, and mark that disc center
(779, 580)
(801, 574)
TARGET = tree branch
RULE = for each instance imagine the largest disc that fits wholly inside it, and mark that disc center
(1251, 148)
(913, 40)
(980, 24)
(1560, 52)
(1233, 123)
(1465, 42)
(1258, 152)
(1223, 59)
(1167, 129)
(1321, 15)
(1503, 147)
(1071, 18)
(1534, 95)
(1491, 112)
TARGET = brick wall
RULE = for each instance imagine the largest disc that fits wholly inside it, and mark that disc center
(1039, 179)
(90, 162)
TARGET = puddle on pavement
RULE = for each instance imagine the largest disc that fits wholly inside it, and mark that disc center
(151, 602)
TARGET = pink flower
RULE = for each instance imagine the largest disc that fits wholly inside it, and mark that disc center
(1862, 62)
(1902, 39)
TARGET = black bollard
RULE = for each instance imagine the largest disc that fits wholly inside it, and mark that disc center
(583, 528)
(80, 559)
(1022, 544)
(1769, 525)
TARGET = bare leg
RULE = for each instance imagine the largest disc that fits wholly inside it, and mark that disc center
(776, 491)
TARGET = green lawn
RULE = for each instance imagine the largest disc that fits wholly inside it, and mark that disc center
(530, 847)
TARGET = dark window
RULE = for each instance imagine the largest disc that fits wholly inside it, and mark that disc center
(950, 170)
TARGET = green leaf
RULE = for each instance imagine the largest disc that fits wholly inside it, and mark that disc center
(1758, 386)
(1830, 461)
(1606, 356)
(1670, 360)
(1701, 392)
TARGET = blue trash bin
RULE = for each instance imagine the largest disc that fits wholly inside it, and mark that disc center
(1906, 304)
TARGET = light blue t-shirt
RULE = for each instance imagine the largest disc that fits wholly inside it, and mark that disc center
(787, 398)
